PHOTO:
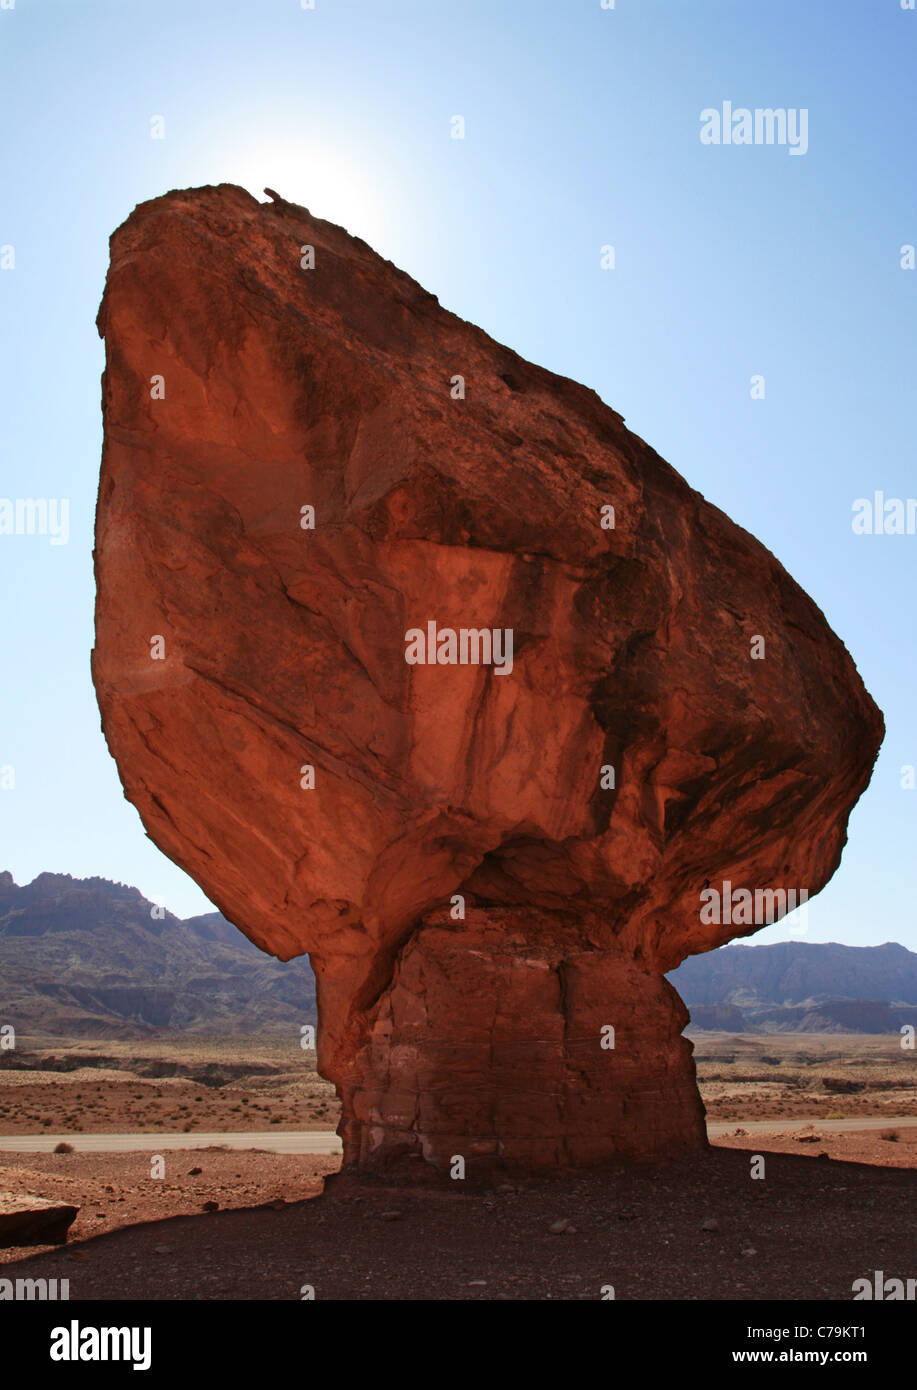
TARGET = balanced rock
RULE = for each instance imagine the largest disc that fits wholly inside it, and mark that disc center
(417, 660)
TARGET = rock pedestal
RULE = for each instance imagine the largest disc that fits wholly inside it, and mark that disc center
(511, 1048)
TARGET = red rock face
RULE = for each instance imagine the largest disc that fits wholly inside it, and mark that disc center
(332, 795)
(494, 1042)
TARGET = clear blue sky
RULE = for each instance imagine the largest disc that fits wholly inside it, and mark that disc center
(582, 129)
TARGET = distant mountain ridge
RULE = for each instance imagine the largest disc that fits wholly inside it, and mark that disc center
(87, 957)
(800, 986)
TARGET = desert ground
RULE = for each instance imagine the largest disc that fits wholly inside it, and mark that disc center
(253, 1223)
(183, 1085)
(828, 1075)
(170, 1084)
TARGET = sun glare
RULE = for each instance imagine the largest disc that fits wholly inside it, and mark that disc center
(329, 183)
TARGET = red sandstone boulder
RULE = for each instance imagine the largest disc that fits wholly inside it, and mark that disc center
(301, 505)
(29, 1220)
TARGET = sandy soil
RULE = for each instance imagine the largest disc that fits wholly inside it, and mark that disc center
(807, 1230)
(885, 1148)
(201, 1084)
(834, 1076)
(251, 1224)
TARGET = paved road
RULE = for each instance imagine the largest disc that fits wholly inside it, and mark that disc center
(715, 1128)
(316, 1141)
(325, 1141)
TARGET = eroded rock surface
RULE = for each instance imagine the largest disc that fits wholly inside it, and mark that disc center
(239, 646)
(29, 1220)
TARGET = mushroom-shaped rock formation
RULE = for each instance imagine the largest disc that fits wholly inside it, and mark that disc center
(416, 659)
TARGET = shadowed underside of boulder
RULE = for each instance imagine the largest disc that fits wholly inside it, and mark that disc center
(29, 1220)
(312, 476)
